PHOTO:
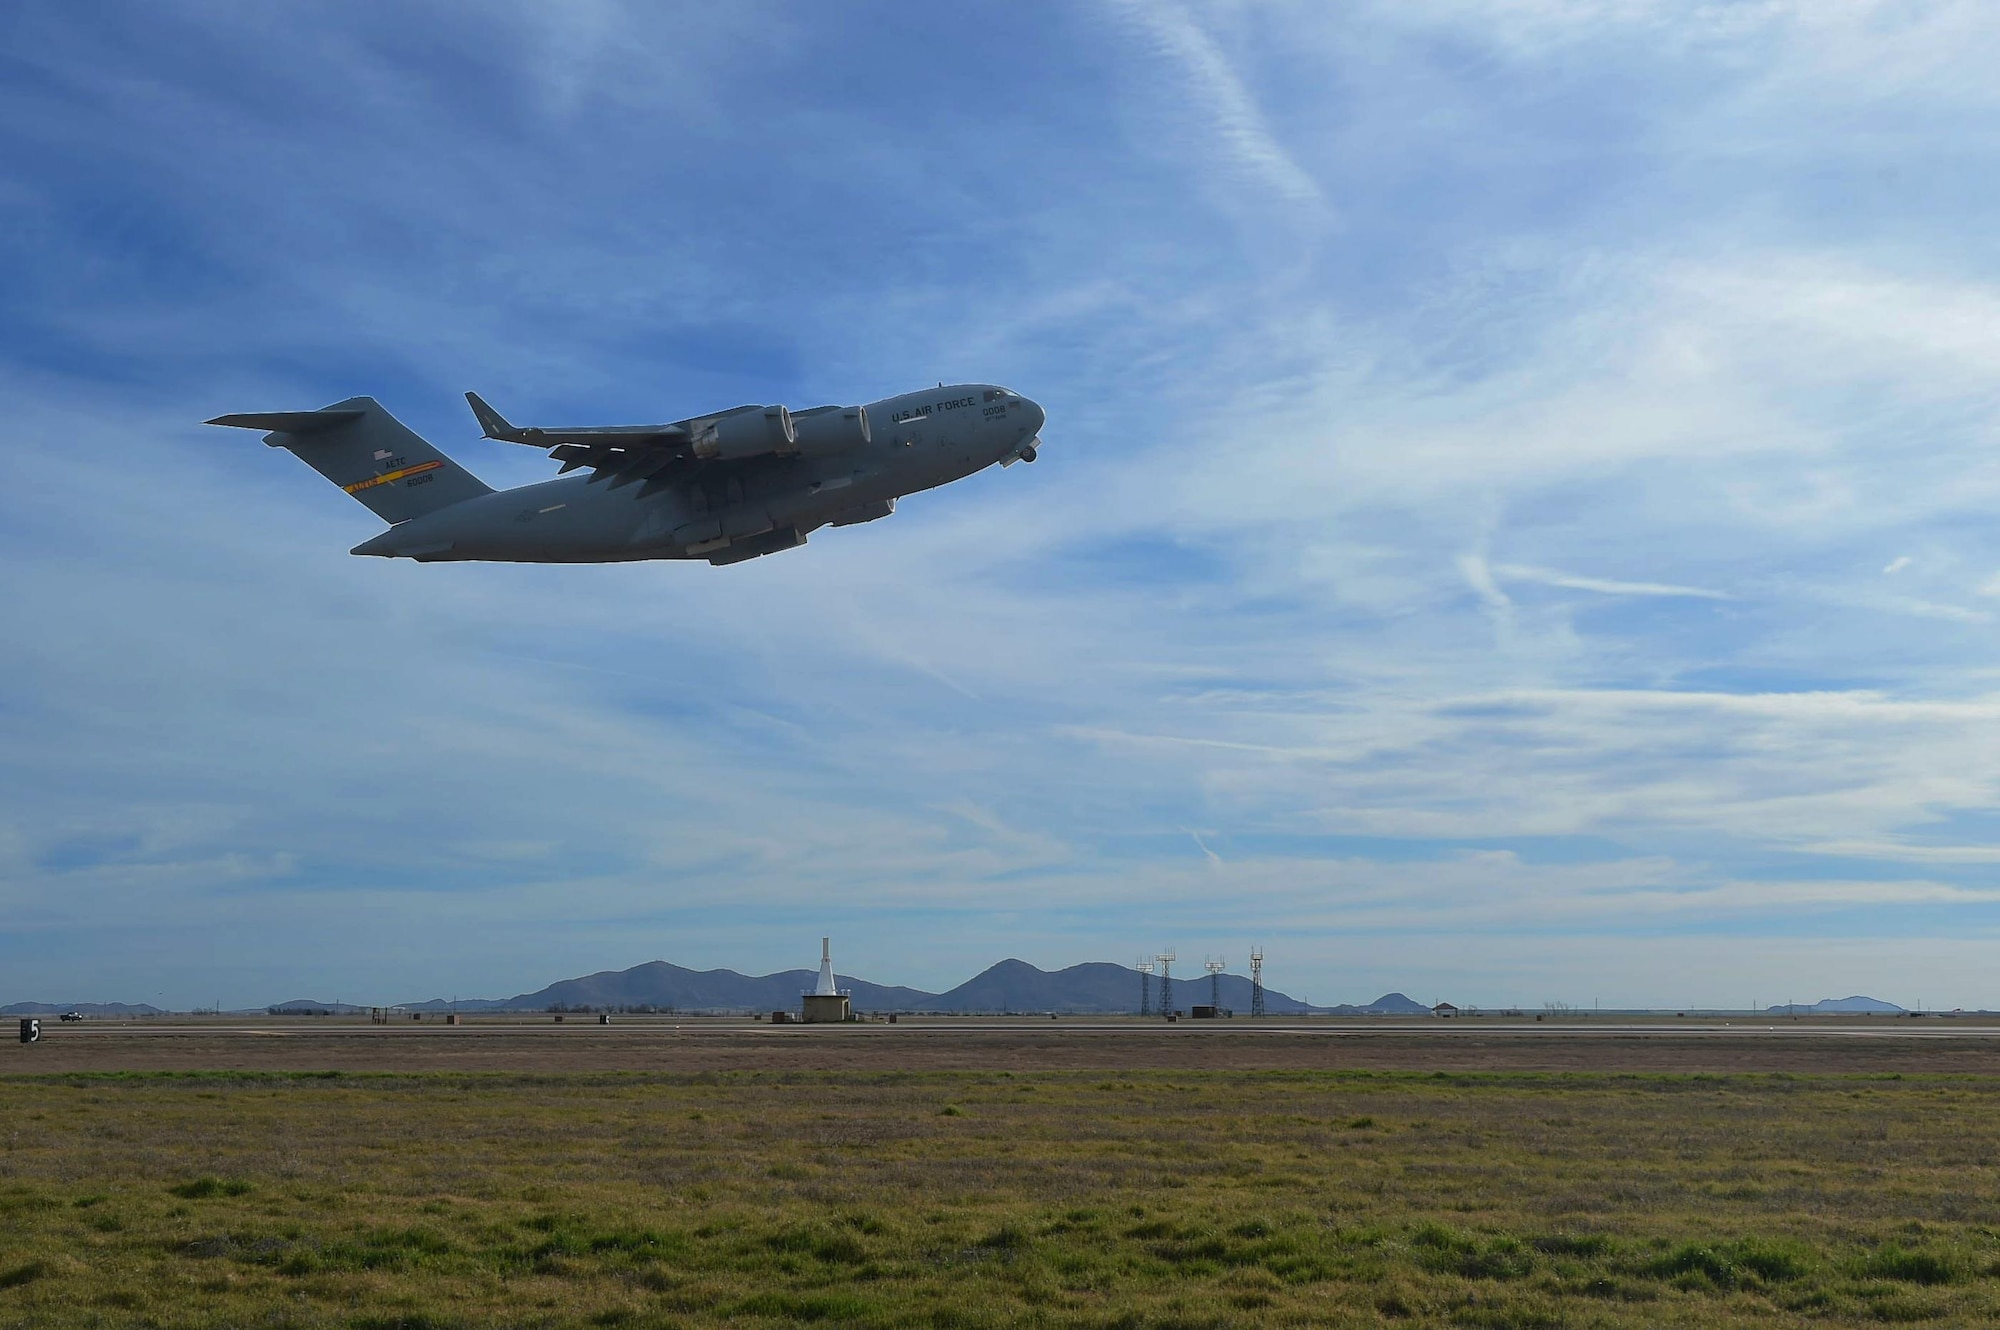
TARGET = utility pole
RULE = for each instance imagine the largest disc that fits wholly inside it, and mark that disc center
(1256, 981)
(1215, 968)
(1145, 988)
(1166, 960)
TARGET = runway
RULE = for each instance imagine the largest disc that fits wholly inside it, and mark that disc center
(519, 1042)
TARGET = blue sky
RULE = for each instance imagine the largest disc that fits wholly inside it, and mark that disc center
(1517, 520)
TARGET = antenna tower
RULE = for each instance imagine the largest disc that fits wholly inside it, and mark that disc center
(1145, 969)
(1215, 968)
(1166, 960)
(1256, 981)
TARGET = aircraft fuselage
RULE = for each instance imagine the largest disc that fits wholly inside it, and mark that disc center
(918, 441)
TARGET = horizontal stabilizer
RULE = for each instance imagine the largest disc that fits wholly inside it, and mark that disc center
(288, 422)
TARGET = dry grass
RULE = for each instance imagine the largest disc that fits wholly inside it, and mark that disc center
(966, 1199)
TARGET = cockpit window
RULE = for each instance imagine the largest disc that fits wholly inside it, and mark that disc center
(997, 394)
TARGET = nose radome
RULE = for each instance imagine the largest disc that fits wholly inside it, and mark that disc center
(1032, 410)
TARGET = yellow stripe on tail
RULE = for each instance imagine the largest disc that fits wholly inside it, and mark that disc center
(384, 479)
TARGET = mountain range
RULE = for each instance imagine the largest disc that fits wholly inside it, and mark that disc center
(1010, 986)
(1835, 1006)
(87, 1008)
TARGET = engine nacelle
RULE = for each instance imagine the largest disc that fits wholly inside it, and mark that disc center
(751, 433)
(867, 512)
(827, 430)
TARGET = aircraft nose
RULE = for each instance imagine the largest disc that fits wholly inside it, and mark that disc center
(1031, 411)
(1028, 440)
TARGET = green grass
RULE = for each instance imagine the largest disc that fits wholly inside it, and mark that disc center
(1179, 1200)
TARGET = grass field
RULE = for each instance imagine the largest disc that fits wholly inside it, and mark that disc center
(968, 1199)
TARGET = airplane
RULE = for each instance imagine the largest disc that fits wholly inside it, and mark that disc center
(736, 485)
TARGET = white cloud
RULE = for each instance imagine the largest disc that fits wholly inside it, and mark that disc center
(1234, 122)
(1480, 578)
(1202, 845)
(1603, 585)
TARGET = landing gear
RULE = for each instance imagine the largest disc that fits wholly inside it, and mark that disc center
(1024, 452)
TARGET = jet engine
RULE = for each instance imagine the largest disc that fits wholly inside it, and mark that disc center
(751, 432)
(826, 430)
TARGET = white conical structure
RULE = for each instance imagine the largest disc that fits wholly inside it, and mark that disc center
(825, 988)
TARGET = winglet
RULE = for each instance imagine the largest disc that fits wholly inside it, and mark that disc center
(493, 423)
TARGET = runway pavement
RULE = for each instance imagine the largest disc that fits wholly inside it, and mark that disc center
(521, 1042)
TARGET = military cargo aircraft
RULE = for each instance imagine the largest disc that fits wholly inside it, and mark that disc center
(726, 487)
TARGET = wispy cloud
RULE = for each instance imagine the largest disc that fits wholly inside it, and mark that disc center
(1479, 576)
(1234, 122)
(1203, 846)
(1603, 585)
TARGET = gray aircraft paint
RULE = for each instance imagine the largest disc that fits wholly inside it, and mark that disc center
(724, 510)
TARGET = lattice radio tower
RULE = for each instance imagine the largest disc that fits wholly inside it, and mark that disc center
(1215, 969)
(1166, 960)
(1256, 981)
(1145, 969)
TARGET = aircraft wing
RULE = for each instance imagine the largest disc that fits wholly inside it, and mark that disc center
(657, 454)
(496, 427)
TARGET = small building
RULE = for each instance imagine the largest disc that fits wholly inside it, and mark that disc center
(1207, 1012)
(1444, 1009)
(821, 1007)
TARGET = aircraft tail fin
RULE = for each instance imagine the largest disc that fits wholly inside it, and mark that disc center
(360, 447)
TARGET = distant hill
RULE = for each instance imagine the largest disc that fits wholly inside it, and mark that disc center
(1834, 1006)
(1389, 1004)
(87, 1008)
(1095, 986)
(1011, 985)
(660, 984)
